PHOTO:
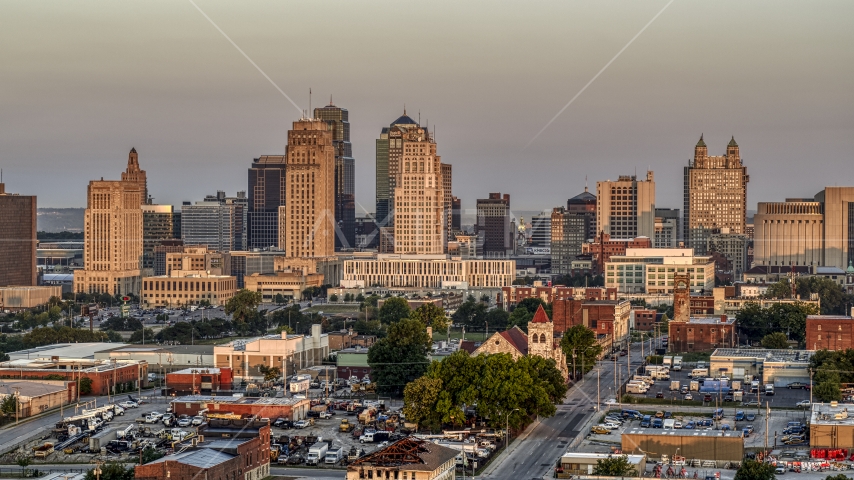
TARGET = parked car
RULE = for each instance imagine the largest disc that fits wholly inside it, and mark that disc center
(780, 470)
(279, 422)
(197, 420)
(659, 414)
(690, 426)
(677, 424)
(128, 404)
(659, 395)
(668, 415)
(707, 397)
(684, 390)
(749, 428)
(750, 417)
(803, 404)
(728, 397)
(750, 403)
(301, 424)
(599, 430)
(184, 421)
(796, 385)
(688, 396)
(739, 415)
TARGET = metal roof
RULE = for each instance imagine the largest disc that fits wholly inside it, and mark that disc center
(767, 355)
(239, 400)
(830, 414)
(202, 458)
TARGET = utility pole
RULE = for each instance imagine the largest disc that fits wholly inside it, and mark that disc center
(17, 402)
(598, 392)
(767, 411)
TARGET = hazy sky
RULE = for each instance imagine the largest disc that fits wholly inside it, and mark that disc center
(82, 82)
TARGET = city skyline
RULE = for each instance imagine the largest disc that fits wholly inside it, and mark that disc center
(85, 95)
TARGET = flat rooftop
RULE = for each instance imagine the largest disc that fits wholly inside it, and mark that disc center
(198, 370)
(773, 355)
(633, 459)
(683, 433)
(711, 320)
(830, 414)
(30, 388)
(67, 350)
(239, 400)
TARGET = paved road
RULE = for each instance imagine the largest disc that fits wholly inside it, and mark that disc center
(536, 452)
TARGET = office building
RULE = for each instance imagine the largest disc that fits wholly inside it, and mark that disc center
(585, 204)
(838, 225)
(389, 148)
(652, 270)
(287, 351)
(419, 208)
(160, 252)
(136, 175)
(568, 232)
(603, 247)
(14, 298)
(715, 195)
(266, 195)
(494, 234)
(541, 230)
(338, 120)
(18, 238)
(448, 201)
(216, 222)
(112, 255)
(733, 247)
(160, 223)
(456, 214)
(182, 288)
(789, 233)
(289, 284)
(307, 221)
(427, 271)
(367, 232)
(197, 259)
(830, 332)
(666, 228)
(626, 208)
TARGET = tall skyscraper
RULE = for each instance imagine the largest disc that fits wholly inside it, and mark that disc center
(626, 208)
(307, 221)
(584, 204)
(216, 222)
(419, 197)
(715, 195)
(389, 150)
(17, 239)
(448, 201)
(838, 226)
(541, 230)
(112, 253)
(456, 214)
(345, 174)
(494, 233)
(134, 174)
(568, 233)
(266, 195)
(160, 223)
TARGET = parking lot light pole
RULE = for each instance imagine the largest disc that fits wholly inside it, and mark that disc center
(507, 429)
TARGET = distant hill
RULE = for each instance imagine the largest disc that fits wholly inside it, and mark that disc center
(60, 219)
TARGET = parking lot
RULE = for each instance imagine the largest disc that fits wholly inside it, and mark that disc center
(783, 397)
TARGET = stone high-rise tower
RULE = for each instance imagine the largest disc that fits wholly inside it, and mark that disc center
(134, 174)
(715, 195)
(307, 220)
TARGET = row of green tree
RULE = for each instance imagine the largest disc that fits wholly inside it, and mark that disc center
(834, 300)
(789, 318)
(499, 388)
(830, 370)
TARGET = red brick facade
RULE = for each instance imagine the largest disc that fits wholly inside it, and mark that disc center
(511, 296)
(199, 380)
(645, 319)
(702, 335)
(604, 248)
(262, 408)
(250, 457)
(102, 380)
(831, 332)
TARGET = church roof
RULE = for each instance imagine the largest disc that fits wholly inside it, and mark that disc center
(516, 337)
(540, 316)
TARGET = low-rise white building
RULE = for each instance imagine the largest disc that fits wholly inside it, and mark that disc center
(427, 271)
(651, 270)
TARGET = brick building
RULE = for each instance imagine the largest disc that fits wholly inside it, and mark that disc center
(831, 332)
(644, 319)
(35, 396)
(604, 247)
(263, 407)
(199, 381)
(511, 296)
(349, 339)
(226, 450)
(104, 374)
(417, 459)
(604, 317)
(702, 334)
(18, 237)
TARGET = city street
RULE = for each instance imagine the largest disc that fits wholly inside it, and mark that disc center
(535, 453)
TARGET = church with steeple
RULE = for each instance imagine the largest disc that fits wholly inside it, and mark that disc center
(538, 341)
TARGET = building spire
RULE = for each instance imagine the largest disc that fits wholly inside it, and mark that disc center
(732, 142)
(701, 143)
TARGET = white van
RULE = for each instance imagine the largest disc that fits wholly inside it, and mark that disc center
(669, 424)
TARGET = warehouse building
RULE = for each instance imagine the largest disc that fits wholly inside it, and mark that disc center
(114, 376)
(36, 396)
(832, 426)
(193, 381)
(777, 367)
(263, 407)
(697, 446)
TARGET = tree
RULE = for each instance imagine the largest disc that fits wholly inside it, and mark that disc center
(270, 373)
(111, 471)
(360, 298)
(775, 340)
(333, 298)
(279, 299)
(400, 357)
(614, 466)
(753, 470)
(470, 313)
(432, 316)
(150, 454)
(84, 386)
(581, 342)
(485, 298)
(828, 391)
(9, 405)
(497, 319)
(838, 477)
(393, 310)
(419, 399)
(242, 305)
(142, 334)
(23, 461)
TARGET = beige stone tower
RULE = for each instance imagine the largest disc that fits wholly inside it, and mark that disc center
(715, 195)
(419, 197)
(134, 174)
(307, 220)
(112, 252)
(541, 335)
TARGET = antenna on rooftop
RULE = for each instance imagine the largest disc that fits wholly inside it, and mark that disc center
(309, 103)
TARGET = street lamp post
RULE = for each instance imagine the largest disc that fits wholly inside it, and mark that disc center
(507, 429)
